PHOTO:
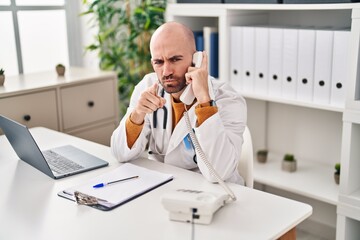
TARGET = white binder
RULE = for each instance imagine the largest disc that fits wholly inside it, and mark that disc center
(275, 61)
(290, 51)
(339, 77)
(248, 58)
(261, 60)
(306, 61)
(236, 57)
(323, 65)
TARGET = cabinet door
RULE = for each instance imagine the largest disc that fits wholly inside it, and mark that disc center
(87, 103)
(32, 110)
(99, 134)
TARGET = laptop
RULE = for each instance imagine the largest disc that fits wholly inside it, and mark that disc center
(57, 162)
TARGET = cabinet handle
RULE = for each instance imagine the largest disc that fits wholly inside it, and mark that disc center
(90, 103)
(27, 117)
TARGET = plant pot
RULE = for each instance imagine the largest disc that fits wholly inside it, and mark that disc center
(60, 70)
(261, 157)
(2, 80)
(337, 178)
(289, 166)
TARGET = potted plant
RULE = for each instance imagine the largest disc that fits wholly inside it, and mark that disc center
(60, 69)
(289, 163)
(2, 76)
(262, 155)
(337, 173)
(124, 28)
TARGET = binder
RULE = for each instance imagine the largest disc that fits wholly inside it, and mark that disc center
(340, 75)
(207, 30)
(275, 61)
(290, 56)
(199, 40)
(109, 197)
(214, 54)
(199, 1)
(317, 1)
(248, 58)
(261, 60)
(252, 1)
(235, 57)
(323, 66)
(306, 61)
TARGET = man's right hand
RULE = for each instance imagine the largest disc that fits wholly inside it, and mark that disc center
(148, 102)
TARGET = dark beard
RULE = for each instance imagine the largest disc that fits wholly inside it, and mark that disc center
(175, 86)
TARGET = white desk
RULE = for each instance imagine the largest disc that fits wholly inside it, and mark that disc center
(31, 209)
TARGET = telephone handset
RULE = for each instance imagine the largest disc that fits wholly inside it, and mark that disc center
(188, 96)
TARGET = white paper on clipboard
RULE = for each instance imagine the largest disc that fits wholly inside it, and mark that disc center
(118, 193)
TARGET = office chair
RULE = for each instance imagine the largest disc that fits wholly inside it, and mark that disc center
(245, 164)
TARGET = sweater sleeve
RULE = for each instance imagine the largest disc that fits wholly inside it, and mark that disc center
(132, 131)
(204, 112)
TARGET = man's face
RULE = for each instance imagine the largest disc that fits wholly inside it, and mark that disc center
(170, 60)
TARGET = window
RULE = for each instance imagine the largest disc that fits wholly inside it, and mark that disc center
(38, 34)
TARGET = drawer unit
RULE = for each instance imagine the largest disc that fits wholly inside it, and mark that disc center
(84, 102)
(32, 110)
(100, 134)
(87, 103)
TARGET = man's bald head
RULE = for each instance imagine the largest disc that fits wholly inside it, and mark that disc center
(173, 32)
(172, 47)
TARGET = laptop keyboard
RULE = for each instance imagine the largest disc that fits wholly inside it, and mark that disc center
(60, 164)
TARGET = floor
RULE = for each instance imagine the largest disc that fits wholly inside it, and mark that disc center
(302, 235)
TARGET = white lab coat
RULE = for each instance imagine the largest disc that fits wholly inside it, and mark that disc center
(220, 136)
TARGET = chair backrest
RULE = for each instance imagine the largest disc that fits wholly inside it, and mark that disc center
(246, 164)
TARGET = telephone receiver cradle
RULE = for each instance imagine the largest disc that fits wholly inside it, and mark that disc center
(188, 96)
(193, 206)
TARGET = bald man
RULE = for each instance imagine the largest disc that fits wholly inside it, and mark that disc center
(154, 120)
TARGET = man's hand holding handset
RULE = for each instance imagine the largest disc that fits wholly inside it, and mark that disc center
(198, 77)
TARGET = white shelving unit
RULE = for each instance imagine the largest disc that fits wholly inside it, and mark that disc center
(321, 134)
(300, 182)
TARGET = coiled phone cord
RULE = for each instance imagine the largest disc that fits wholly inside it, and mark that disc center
(201, 154)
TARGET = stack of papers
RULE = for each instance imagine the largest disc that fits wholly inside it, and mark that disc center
(113, 195)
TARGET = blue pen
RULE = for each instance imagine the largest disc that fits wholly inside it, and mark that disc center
(100, 185)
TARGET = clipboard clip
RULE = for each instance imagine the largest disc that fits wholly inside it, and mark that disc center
(84, 199)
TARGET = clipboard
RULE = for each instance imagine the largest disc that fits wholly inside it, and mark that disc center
(114, 195)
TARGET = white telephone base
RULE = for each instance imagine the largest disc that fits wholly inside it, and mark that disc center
(182, 202)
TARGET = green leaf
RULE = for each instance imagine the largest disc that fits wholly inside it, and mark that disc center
(92, 47)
